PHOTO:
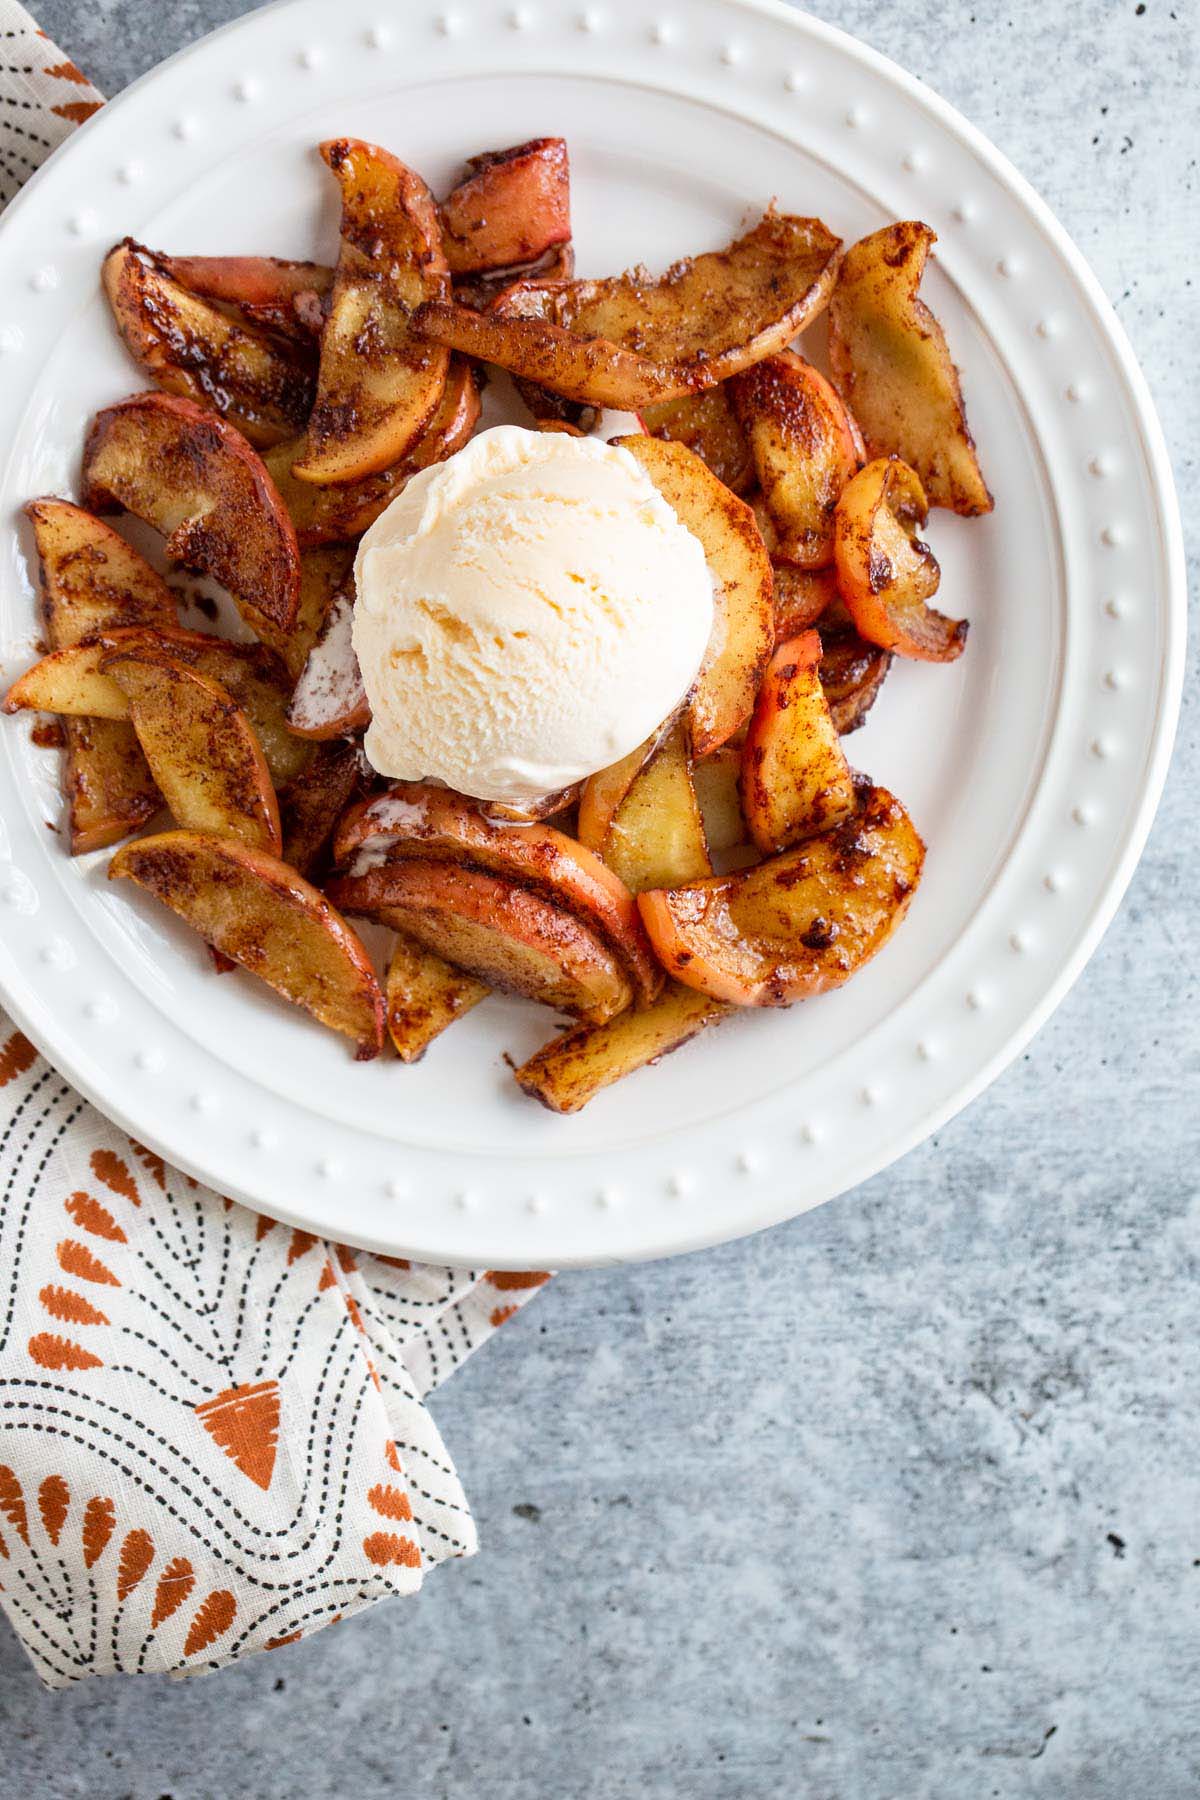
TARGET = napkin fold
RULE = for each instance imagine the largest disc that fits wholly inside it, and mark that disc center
(212, 1432)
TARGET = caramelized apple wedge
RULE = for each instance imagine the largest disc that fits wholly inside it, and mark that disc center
(93, 579)
(415, 819)
(603, 792)
(798, 924)
(718, 795)
(324, 515)
(512, 207)
(262, 915)
(743, 625)
(657, 835)
(379, 383)
(196, 479)
(707, 424)
(108, 786)
(425, 995)
(573, 1068)
(330, 700)
(632, 340)
(852, 673)
(795, 780)
(287, 296)
(73, 682)
(533, 348)
(504, 935)
(325, 572)
(801, 597)
(205, 758)
(189, 347)
(804, 451)
(886, 575)
(892, 365)
(312, 804)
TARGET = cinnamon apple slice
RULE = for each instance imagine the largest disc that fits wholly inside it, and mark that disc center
(379, 383)
(603, 792)
(707, 424)
(196, 479)
(573, 1068)
(657, 835)
(798, 924)
(632, 340)
(312, 804)
(425, 995)
(323, 515)
(330, 700)
(795, 780)
(892, 364)
(505, 935)
(264, 916)
(804, 450)
(802, 596)
(73, 682)
(91, 580)
(414, 819)
(325, 572)
(886, 575)
(288, 296)
(202, 752)
(743, 625)
(513, 206)
(852, 673)
(188, 346)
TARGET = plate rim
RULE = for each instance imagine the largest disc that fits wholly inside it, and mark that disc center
(1127, 848)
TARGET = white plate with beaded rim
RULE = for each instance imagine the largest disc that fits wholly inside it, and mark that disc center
(1032, 766)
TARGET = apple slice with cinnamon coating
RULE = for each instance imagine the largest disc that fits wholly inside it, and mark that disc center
(261, 914)
(892, 364)
(74, 682)
(416, 819)
(330, 700)
(795, 780)
(325, 572)
(657, 835)
(188, 346)
(512, 207)
(91, 580)
(707, 424)
(573, 1068)
(202, 752)
(195, 479)
(425, 995)
(311, 805)
(801, 597)
(716, 781)
(506, 936)
(286, 295)
(804, 450)
(379, 383)
(323, 515)
(852, 673)
(800, 923)
(604, 791)
(886, 574)
(743, 623)
(632, 340)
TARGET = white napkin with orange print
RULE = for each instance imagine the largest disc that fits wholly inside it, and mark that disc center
(212, 1433)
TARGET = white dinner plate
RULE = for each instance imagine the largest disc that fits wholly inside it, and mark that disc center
(1032, 766)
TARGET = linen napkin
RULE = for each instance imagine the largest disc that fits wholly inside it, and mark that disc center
(212, 1432)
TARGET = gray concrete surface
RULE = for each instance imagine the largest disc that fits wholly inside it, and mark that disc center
(902, 1500)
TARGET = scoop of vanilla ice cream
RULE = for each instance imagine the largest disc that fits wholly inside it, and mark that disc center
(527, 613)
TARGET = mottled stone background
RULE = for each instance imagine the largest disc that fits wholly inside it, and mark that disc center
(903, 1499)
